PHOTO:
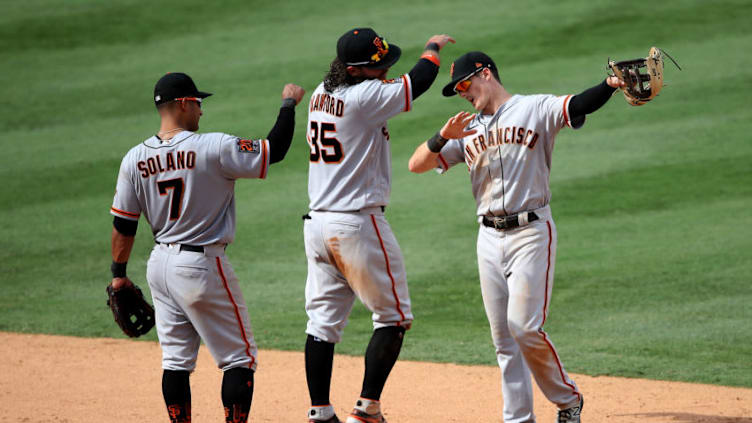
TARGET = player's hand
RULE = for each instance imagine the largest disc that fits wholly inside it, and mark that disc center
(455, 126)
(441, 40)
(615, 82)
(294, 92)
(118, 283)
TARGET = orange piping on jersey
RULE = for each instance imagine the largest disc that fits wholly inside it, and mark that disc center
(263, 159)
(388, 270)
(566, 116)
(407, 93)
(237, 313)
(444, 164)
(545, 311)
(125, 213)
(430, 57)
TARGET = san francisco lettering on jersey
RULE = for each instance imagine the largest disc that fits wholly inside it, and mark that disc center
(323, 102)
(498, 136)
(176, 160)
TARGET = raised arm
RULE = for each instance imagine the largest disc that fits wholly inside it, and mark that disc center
(280, 136)
(424, 157)
(593, 98)
(424, 72)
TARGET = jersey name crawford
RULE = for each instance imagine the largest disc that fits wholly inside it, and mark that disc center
(323, 102)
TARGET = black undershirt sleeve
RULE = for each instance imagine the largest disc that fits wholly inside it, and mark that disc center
(422, 76)
(589, 100)
(280, 136)
(125, 226)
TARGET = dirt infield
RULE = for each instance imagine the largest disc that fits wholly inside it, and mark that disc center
(65, 379)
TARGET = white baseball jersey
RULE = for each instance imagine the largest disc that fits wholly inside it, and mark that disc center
(516, 269)
(185, 186)
(350, 246)
(509, 160)
(350, 162)
(185, 189)
(509, 157)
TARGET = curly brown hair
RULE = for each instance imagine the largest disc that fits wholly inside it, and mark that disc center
(338, 76)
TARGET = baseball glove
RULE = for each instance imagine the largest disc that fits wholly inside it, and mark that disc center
(131, 311)
(643, 78)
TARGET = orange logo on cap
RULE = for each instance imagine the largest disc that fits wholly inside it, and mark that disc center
(477, 65)
(382, 48)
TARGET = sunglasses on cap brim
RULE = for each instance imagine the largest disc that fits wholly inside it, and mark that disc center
(464, 84)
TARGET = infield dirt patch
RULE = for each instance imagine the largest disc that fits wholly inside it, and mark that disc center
(65, 379)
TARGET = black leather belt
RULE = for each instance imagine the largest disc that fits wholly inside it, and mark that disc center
(308, 216)
(507, 222)
(194, 248)
(186, 247)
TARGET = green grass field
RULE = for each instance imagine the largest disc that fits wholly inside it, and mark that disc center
(652, 203)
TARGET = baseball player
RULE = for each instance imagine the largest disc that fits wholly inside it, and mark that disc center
(183, 183)
(350, 247)
(507, 149)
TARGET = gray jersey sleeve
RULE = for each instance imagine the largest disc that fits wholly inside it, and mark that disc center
(450, 155)
(554, 111)
(239, 158)
(380, 100)
(126, 204)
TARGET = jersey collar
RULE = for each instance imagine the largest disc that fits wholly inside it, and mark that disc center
(487, 119)
(180, 136)
(156, 142)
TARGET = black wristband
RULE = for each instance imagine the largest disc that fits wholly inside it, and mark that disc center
(436, 143)
(289, 102)
(118, 269)
(433, 46)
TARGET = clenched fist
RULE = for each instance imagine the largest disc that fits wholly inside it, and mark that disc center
(294, 92)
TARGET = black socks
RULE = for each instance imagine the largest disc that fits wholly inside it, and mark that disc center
(319, 356)
(237, 393)
(381, 355)
(176, 390)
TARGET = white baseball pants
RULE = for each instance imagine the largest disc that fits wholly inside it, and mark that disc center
(353, 254)
(516, 268)
(196, 296)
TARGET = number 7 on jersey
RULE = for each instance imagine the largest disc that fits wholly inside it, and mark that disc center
(177, 187)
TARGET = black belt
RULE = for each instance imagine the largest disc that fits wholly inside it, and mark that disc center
(186, 247)
(507, 222)
(308, 216)
(194, 248)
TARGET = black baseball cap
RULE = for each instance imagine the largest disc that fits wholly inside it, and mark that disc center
(466, 65)
(176, 85)
(363, 47)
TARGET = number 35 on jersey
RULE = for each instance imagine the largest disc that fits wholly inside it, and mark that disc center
(322, 138)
